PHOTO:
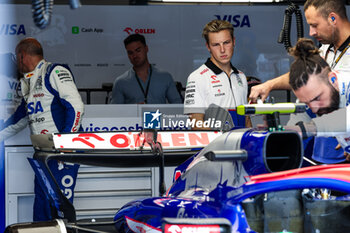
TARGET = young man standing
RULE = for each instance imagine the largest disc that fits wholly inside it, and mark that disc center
(216, 86)
(143, 83)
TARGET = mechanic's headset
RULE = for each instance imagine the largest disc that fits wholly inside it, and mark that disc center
(333, 79)
(333, 18)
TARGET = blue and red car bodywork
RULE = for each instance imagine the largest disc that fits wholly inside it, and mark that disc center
(224, 201)
(209, 187)
(212, 189)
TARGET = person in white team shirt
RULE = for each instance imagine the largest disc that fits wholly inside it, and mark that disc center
(217, 85)
(51, 103)
(327, 94)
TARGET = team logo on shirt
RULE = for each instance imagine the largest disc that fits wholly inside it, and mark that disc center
(189, 96)
(76, 123)
(215, 79)
(29, 75)
(38, 95)
(190, 91)
(220, 93)
(219, 85)
(64, 76)
(44, 131)
(34, 108)
(239, 80)
(190, 101)
(204, 71)
(39, 83)
(36, 120)
(40, 65)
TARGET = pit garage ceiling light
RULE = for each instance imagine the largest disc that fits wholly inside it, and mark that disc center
(220, 1)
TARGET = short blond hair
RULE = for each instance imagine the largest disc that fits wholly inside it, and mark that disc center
(216, 25)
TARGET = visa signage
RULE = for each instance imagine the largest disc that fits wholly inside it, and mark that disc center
(12, 29)
(236, 20)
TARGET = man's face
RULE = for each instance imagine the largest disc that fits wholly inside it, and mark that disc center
(320, 28)
(220, 46)
(137, 53)
(20, 65)
(320, 96)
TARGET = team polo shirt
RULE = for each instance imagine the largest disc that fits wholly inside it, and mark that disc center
(210, 86)
(343, 64)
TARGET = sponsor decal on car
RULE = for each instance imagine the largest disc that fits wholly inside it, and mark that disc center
(133, 140)
(140, 227)
(187, 228)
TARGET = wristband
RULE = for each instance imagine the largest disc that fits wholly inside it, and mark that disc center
(303, 129)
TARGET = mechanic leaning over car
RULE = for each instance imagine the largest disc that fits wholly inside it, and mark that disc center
(217, 85)
(51, 103)
(327, 94)
(329, 24)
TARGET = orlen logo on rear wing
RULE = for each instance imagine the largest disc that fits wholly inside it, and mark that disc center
(133, 140)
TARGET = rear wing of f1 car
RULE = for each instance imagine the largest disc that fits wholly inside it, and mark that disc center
(121, 149)
(112, 149)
